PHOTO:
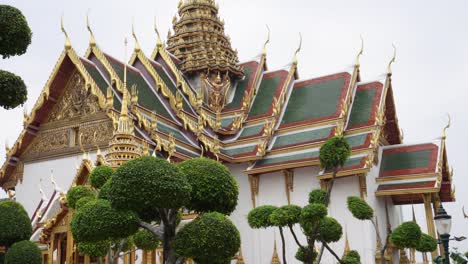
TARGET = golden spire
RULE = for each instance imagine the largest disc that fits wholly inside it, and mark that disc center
(347, 248)
(137, 44)
(298, 49)
(92, 41)
(67, 39)
(267, 41)
(275, 258)
(80, 141)
(159, 41)
(361, 51)
(389, 67)
(444, 131)
(240, 258)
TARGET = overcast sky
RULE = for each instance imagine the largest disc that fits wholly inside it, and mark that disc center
(429, 77)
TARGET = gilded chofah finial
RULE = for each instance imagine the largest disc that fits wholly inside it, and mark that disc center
(92, 40)
(137, 44)
(54, 183)
(80, 141)
(275, 258)
(298, 49)
(67, 39)
(389, 67)
(43, 195)
(361, 51)
(264, 51)
(159, 41)
(444, 131)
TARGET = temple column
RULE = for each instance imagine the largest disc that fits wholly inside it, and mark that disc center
(430, 220)
(153, 256)
(86, 259)
(51, 249)
(69, 257)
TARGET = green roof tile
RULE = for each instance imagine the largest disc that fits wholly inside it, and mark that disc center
(97, 77)
(356, 140)
(251, 131)
(236, 151)
(302, 137)
(289, 158)
(361, 111)
(266, 92)
(241, 87)
(167, 80)
(225, 122)
(167, 130)
(406, 160)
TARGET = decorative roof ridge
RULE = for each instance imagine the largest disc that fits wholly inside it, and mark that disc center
(314, 77)
(436, 142)
(381, 80)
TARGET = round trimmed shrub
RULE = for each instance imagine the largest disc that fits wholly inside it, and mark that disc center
(406, 235)
(359, 208)
(15, 34)
(78, 192)
(213, 186)
(330, 230)
(97, 221)
(287, 215)
(210, 238)
(13, 90)
(426, 243)
(310, 217)
(104, 190)
(317, 196)
(146, 184)
(100, 175)
(259, 217)
(145, 240)
(306, 255)
(352, 257)
(82, 201)
(15, 224)
(334, 153)
(23, 252)
(94, 249)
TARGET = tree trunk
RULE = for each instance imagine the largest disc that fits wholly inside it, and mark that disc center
(283, 244)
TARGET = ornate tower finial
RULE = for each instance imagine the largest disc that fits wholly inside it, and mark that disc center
(159, 41)
(43, 195)
(54, 183)
(347, 248)
(444, 131)
(240, 258)
(92, 40)
(389, 67)
(361, 51)
(298, 49)
(264, 51)
(275, 258)
(67, 39)
(137, 44)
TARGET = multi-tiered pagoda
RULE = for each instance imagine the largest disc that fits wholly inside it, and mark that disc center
(191, 97)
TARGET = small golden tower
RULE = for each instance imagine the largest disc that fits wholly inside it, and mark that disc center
(275, 258)
(240, 258)
(123, 146)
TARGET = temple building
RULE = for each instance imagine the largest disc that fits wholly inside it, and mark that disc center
(191, 97)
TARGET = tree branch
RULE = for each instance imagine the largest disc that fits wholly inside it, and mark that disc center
(283, 244)
(331, 251)
(294, 235)
(156, 230)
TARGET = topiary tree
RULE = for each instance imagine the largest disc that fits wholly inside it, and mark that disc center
(23, 252)
(100, 175)
(15, 37)
(15, 224)
(406, 235)
(78, 192)
(149, 193)
(352, 257)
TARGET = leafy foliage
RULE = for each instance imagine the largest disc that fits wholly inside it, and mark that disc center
(82, 201)
(426, 243)
(14, 92)
(104, 191)
(406, 235)
(306, 255)
(317, 196)
(15, 224)
(330, 230)
(94, 249)
(15, 34)
(23, 252)
(311, 216)
(145, 184)
(359, 208)
(97, 221)
(211, 238)
(145, 240)
(100, 175)
(78, 192)
(259, 217)
(352, 257)
(287, 215)
(213, 186)
(334, 153)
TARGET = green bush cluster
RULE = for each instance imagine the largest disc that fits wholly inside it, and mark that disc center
(330, 230)
(104, 190)
(287, 215)
(317, 196)
(15, 224)
(210, 238)
(334, 153)
(406, 235)
(352, 257)
(259, 217)
(13, 90)
(100, 175)
(359, 208)
(426, 243)
(145, 240)
(23, 252)
(15, 34)
(76, 193)
(94, 249)
(306, 255)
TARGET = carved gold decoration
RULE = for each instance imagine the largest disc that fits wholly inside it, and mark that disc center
(262, 147)
(51, 141)
(362, 186)
(275, 258)
(254, 181)
(216, 89)
(288, 183)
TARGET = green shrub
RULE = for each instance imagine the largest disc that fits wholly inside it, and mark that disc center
(317, 196)
(287, 215)
(306, 255)
(94, 249)
(330, 230)
(310, 217)
(100, 175)
(145, 240)
(78, 192)
(104, 191)
(426, 243)
(359, 208)
(259, 217)
(15, 224)
(352, 257)
(97, 221)
(213, 186)
(23, 252)
(210, 238)
(83, 201)
(146, 184)
(406, 235)
(334, 153)
(12, 87)
(15, 34)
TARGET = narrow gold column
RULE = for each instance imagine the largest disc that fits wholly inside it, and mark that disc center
(430, 220)
(153, 256)
(132, 256)
(86, 259)
(69, 257)
(144, 260)
(51, 249)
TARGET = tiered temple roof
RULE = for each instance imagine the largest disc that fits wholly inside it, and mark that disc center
(271, 119)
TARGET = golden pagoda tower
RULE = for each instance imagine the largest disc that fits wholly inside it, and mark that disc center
(205, 50)
(240, 258)
(275, 258)
(123, 146)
